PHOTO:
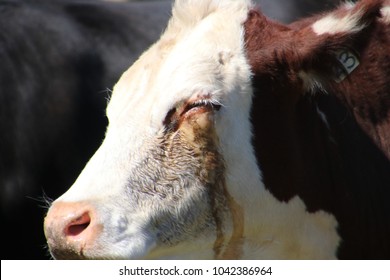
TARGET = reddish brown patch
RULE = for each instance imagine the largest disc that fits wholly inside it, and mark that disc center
(342, 166)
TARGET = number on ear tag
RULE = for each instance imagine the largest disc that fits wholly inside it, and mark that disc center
(348, 62)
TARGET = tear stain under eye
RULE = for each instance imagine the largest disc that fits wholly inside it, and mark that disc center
(233, 248)
(220, 199)
(221, 202)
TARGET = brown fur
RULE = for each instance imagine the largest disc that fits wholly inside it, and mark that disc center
(341, 166)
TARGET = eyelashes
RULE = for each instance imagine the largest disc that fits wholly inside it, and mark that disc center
(216, 106)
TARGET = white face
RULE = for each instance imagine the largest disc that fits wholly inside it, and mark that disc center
(177, 160)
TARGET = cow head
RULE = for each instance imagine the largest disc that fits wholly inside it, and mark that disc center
(176, 176)
(158, 185)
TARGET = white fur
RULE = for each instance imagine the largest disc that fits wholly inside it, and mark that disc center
(349, 5)
(323, 117)
(310, 81)
(385, 12)
(330, 24)
(202, 50)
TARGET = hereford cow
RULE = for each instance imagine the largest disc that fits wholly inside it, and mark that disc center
(180, 174)
(69, 54)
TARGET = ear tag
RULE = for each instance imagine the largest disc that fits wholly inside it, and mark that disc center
(348, 61)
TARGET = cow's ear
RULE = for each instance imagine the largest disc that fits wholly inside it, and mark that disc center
(328, 49)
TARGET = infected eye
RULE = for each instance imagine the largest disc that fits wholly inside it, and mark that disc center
(176, 115)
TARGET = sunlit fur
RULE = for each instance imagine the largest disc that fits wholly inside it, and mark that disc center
(385, 11)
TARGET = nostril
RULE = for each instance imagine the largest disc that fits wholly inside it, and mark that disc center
(77, 226)
(74, 230)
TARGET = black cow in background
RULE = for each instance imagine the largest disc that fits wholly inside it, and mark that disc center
(58, 61)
